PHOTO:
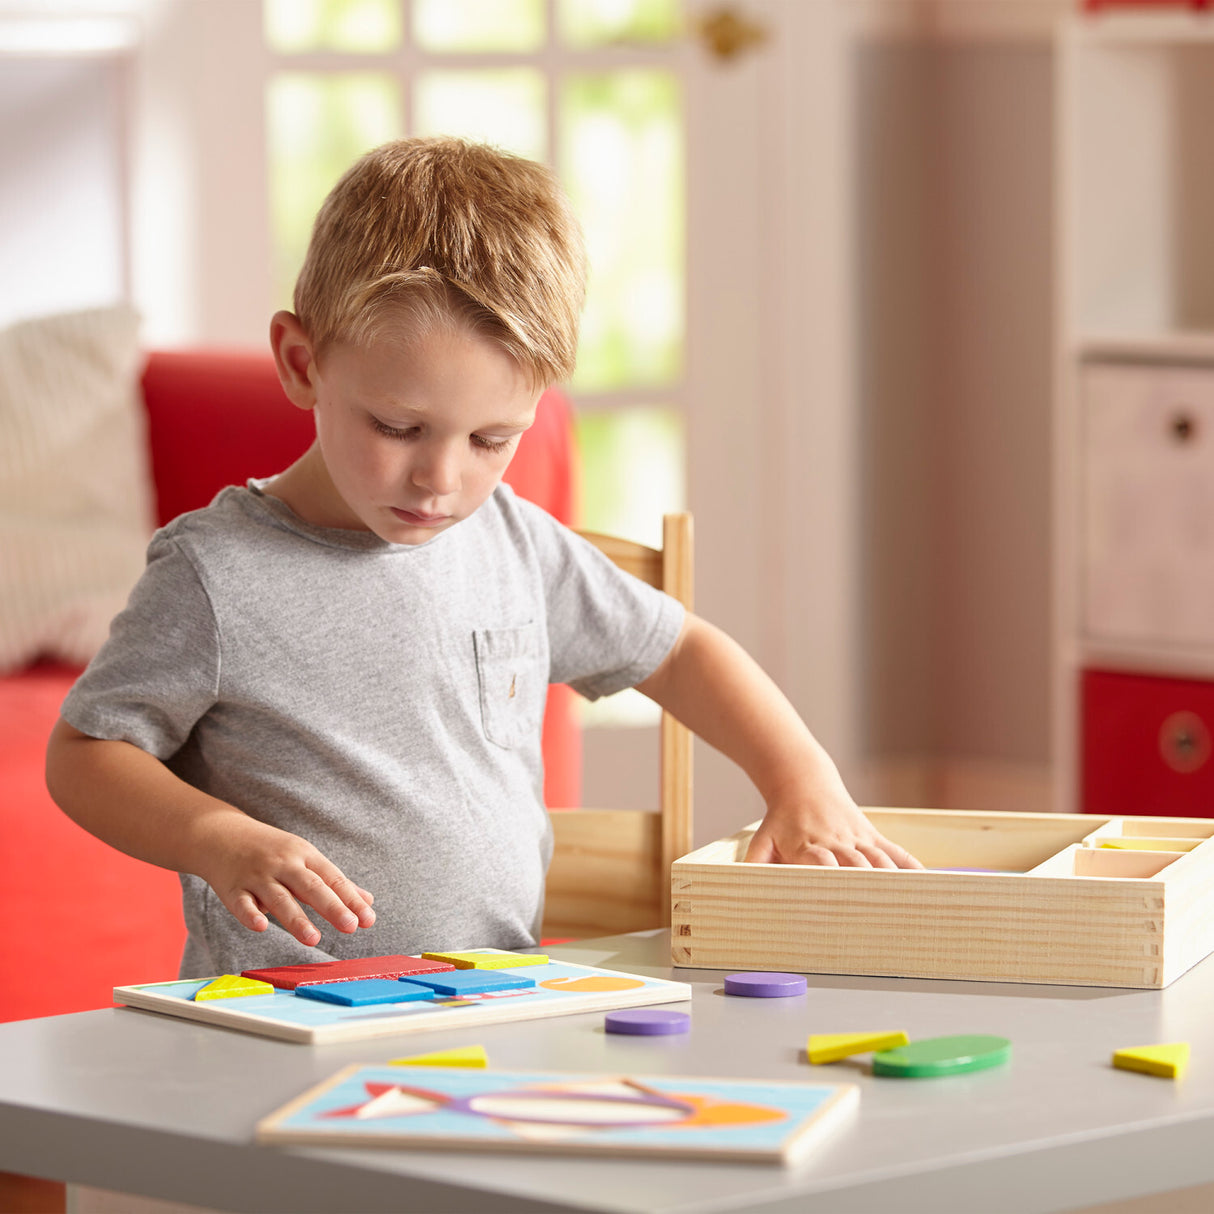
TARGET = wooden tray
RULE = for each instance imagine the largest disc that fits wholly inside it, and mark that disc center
(1075, 899)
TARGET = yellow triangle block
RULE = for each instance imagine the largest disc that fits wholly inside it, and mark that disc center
(466, 1055)
(1168, 1061)
(488, 961)
(830, 1047)
(233, 986)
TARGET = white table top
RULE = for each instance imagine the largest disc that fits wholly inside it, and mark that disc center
(145, 1104)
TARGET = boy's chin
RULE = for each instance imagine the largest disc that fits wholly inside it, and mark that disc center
(401, 529)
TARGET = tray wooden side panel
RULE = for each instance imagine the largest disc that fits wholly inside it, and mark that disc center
(1054, 904)
(1190, 912)
(1005, 927)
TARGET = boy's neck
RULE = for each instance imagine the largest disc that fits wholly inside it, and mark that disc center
(307, 488)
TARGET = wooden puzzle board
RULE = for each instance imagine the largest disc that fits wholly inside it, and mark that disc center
(729, 1120)
(561, 989)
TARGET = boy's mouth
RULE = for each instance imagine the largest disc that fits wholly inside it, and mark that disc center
(416, 519)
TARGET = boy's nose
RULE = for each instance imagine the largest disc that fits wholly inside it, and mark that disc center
(437, 471)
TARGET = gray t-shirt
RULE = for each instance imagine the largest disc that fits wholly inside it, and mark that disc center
(382, 701)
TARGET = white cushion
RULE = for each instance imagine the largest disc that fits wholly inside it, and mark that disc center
(75, 488)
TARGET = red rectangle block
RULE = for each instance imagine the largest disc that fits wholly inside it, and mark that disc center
(288, 977)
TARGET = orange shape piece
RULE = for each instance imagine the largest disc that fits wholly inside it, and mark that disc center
(593, 982)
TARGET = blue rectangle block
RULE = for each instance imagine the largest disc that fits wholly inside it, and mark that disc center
(471, 982)
(363, 991)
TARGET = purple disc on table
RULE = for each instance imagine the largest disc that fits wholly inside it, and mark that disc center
(647, 1022)
(765, 986)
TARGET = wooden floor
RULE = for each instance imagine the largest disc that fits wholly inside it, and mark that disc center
(26, 1195)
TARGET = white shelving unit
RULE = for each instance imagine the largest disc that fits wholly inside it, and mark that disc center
(1134, 473)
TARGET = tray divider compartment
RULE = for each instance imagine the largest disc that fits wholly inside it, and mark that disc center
(1115, 862)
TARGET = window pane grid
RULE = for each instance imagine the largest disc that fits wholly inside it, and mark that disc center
(480, 25)
(339, 25)
(316, 126)
(507, 107)
(598, 23)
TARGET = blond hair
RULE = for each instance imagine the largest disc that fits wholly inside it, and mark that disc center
(427, 232)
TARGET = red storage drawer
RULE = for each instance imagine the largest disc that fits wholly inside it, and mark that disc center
(1147, 745)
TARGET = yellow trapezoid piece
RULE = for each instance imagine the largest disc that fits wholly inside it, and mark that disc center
(465, 1055)
(1168, 1060)
(488, 961)
(233, 986)
(830, 1047)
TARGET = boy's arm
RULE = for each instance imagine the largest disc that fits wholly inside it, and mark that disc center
(710, 684)
(132, 801)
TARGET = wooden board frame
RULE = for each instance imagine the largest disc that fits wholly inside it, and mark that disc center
(1059, 898)
(286, 1017)
(326, 1114)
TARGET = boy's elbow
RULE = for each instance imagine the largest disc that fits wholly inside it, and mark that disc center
(656, 685)
(62, 751)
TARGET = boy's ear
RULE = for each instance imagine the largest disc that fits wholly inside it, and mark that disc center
(294, 359)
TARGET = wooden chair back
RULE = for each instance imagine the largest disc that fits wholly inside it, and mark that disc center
(610, 868)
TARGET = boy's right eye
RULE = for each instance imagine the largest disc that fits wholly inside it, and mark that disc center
(392, 431)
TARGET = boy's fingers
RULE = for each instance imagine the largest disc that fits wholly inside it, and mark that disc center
(899, 855)
(815, 853)
(355, 899)
(280, 903)
(760, 851)
(310, 888)
(852, 856)
(248, 913)
(337, 898)
(876, 855)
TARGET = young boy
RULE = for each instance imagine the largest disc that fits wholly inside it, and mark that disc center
(331, 681)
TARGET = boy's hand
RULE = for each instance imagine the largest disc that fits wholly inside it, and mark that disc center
(258, 870)
(833, 833)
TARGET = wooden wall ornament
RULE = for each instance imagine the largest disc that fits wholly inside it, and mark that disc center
(727, 33)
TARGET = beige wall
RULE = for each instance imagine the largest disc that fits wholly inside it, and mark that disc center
(1194, 228)
(954, 147)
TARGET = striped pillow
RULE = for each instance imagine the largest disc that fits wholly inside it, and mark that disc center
(75, 489)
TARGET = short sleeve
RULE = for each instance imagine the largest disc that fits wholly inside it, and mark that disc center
(607, 630)
(158, 672)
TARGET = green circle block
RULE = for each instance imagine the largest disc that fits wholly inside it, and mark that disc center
(942, 1056)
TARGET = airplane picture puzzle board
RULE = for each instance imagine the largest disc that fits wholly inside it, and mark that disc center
(734, 1120)
(560, 988)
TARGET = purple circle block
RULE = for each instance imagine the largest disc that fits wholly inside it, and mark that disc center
(647, 1022)
(765, 986)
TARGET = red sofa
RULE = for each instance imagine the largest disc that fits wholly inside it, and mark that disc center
(82, 918)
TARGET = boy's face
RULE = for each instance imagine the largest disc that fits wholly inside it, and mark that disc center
(413, 434)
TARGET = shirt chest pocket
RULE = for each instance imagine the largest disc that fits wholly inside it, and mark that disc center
(513, 683)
